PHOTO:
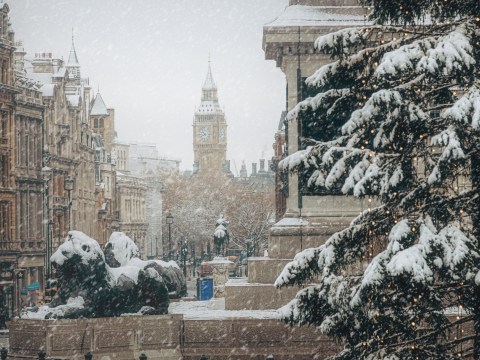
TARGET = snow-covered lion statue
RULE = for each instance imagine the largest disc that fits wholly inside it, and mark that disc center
(92, 283)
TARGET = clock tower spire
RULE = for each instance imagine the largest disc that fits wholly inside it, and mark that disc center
(209, 130)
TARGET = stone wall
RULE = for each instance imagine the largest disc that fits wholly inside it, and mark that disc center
(107, 338)
(165, 337)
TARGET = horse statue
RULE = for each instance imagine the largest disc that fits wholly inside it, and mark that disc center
(220, 236)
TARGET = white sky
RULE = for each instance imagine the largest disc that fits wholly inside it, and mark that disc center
(150, 59)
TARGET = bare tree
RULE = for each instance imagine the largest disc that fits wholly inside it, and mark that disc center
(196, 202)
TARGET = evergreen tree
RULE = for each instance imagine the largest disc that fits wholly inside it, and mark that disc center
(396, 121)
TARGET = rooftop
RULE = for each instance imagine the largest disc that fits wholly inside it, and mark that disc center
(302, 15)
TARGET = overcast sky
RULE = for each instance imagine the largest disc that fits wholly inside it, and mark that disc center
(150, 59)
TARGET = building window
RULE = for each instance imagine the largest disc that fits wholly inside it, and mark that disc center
(101, 123)
(3, 127)
(95, 123)
(5, 229)
(4, 170)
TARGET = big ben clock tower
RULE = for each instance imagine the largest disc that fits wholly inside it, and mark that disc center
(209, 130)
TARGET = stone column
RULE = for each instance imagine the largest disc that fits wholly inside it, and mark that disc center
(220, 267)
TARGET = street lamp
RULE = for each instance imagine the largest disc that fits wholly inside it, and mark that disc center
(184, 251)
(68, 184)
(169, 219)
(47, 176)
(59, 213)
(192, 253)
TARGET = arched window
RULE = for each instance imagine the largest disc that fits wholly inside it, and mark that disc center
(101, 123)
(95, 123)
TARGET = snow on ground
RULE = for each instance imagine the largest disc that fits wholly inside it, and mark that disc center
(214, 309)
(72, 304)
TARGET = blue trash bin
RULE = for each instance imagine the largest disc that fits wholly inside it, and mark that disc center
(204, 289)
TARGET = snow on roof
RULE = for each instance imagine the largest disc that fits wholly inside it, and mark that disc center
(302, 15)
(44, 78)
(47, 89)
(73, 100)
(98, 106)
(60, 73)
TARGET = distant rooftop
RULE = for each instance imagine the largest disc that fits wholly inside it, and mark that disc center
(98, 106)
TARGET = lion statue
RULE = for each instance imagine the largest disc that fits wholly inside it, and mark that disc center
(96, 284)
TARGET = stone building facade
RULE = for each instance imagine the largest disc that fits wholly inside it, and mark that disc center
(57, 167)
(209, 131)
(29, 185)
(9, 246)
(310, 218)
(68, 147)
(102, 121)
(281, 180)
(105, 190)
(131, 191)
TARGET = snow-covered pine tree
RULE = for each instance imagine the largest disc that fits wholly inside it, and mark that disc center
(396, 119)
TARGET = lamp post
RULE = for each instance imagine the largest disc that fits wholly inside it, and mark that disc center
(169, 219)
(68, 184)
(184, 251)
(47, 176)
(59, 213)
(192, 253)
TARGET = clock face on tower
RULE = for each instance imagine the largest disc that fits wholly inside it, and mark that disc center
(204, 134)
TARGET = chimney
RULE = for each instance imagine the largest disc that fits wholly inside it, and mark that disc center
(270, 166)
(262, 165)
(254, 169)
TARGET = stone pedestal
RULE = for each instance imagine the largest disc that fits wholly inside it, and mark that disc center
(287, 238)
(220, 267)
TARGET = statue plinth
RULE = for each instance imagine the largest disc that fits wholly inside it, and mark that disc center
(220, 267)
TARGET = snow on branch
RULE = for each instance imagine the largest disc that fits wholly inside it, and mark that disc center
(451, 143)
(466, 110)
(449, 251)
(294, 160)
(452, 53)
(296, 268)
(319, 101)
(380, 102)
(452, 150)
(342, 41)
(404, 59)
